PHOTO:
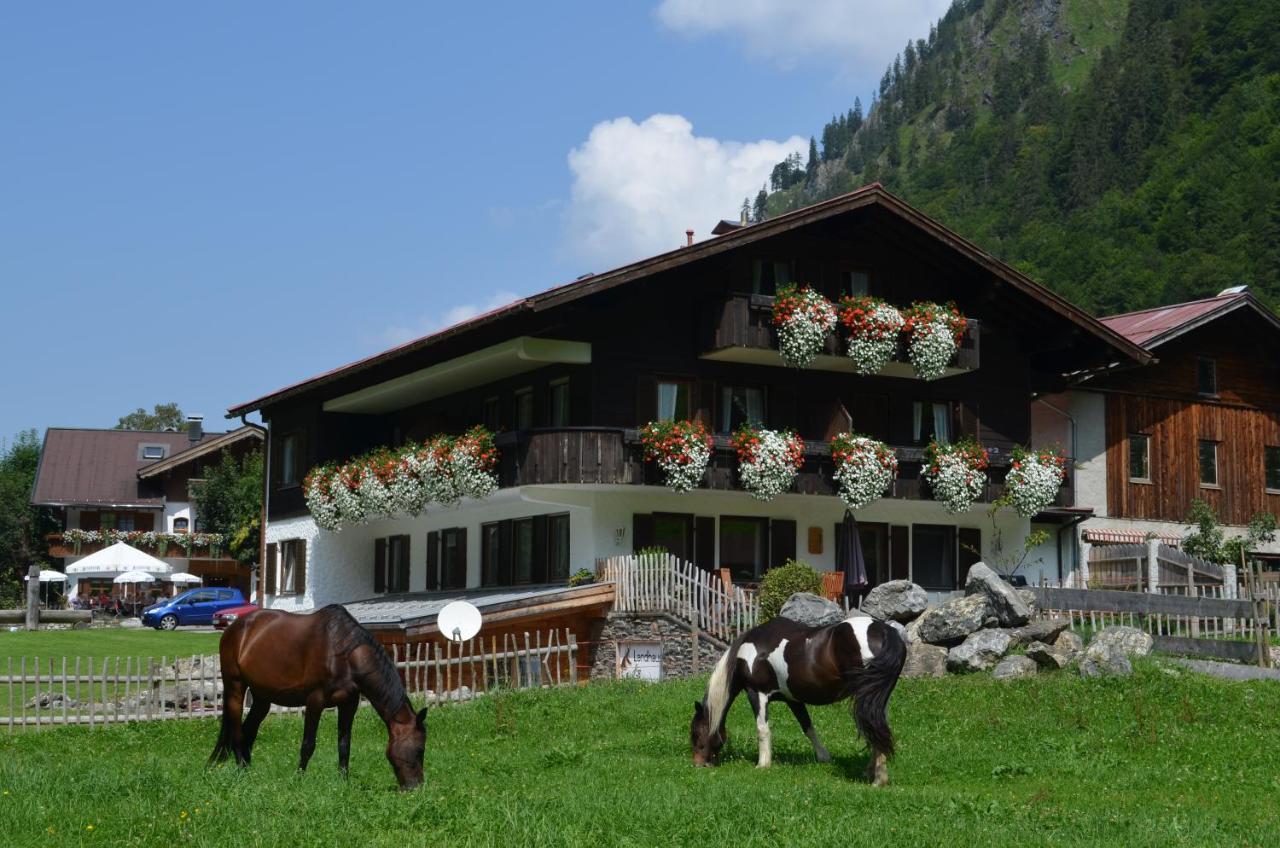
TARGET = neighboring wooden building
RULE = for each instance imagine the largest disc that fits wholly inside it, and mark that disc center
(567, 376)
(135, 482)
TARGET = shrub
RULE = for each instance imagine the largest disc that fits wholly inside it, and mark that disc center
(784, 581)
(581, 577)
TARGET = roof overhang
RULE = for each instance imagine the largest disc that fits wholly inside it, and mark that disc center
(1241, 301)
(505, 359)
(202, 449)
(100, 504)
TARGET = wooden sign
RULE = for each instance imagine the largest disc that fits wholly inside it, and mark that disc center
(815, 540)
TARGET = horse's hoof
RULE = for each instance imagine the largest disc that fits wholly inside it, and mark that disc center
(823, 757)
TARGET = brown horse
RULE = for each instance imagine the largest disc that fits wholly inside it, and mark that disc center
(857, 658)
(324, 659)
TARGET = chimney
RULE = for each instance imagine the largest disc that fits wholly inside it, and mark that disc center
(688, 234)
(195, 427)
(742, 218)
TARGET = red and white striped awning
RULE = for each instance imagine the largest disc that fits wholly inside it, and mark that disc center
(1126, 537)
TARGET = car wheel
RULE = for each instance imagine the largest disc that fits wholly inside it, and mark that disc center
(169, 622)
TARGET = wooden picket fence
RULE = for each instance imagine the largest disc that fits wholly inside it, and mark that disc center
(665, 583)
(40, 693)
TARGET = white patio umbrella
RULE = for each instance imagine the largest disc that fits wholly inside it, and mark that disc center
(134, 577)
(50, 576)
(118, 559)
(183, 577)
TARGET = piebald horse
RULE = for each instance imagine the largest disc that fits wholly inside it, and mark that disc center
(324, 659)
(858, 658)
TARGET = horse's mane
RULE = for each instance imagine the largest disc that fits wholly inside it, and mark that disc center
(379, 682)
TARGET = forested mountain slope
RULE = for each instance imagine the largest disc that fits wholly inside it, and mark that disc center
(1127, 154)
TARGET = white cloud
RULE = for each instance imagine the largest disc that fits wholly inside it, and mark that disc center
(402, 333)
(860, 36)
(638, 187)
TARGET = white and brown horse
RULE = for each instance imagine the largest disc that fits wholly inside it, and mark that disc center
(858, 658)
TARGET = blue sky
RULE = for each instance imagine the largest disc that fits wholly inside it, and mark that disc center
(202, 203)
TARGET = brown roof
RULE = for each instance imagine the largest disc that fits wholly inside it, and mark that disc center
(1152, 326)
(100, 467)
(872, 195)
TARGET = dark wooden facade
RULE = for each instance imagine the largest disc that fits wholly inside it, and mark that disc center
(1163, 402)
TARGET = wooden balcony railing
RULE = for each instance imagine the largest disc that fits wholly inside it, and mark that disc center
(612, 456)
(741, 330)
(65, 547)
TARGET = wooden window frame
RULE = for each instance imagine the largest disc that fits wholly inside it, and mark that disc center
(293, 553)
(1128, 442)
(718, 407)
(299, 448)
(516, 397)
(1270, 490)
(552, 407)
(1217, 464)
(1213, 370)
(553, 519)
(691, 386)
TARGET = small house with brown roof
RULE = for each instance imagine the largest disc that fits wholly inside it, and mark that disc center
(106, 486)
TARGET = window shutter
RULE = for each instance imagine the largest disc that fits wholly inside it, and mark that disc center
(379, 566)
(269, 578)
(704, 542)
(144, 521)
(782, 541)
(641, 531)
(402, 574)
(89, 520)
(300, 566)
(433, 562)
(970, 550)
(540, 552)
(900, 552)
(505, 553)
(646, 399)
(458, 578)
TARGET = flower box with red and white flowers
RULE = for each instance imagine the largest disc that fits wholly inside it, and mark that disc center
(768, 460)
(1034, 479)
(934, 332)
(682, 449)
(956, 473)
(802, 318)
(864, 468)
(874, 328)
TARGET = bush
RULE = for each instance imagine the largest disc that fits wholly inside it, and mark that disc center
(581, 577)
(783, 582)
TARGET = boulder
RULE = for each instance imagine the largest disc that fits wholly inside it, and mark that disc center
(1130, 641)
(808, 608)
(898, 626)
(897, 600)
(1107, 661)
(955, 619)
(980, 651)
(1007, 605)
(925, 660)
(1033, 602)
(51, 701)
(913, 628)
(1014, 667)
(1049, 656)
(1069, 642)
(1041, 630)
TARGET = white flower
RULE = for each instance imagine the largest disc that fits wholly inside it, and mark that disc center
(865, 469)
(874, 342)
(803, 319)
(768, 461)
(1033, 481)
(931, 348)
(956, 476)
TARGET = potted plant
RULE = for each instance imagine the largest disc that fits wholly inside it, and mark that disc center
(934, 332)
(1034, 479)
(956, 473)
(874, 328)
(864, 468)
(582, 577)
(803, 318)
(768, 460)
(682, 449)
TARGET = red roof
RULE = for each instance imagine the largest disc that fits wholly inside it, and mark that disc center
(1148, 326)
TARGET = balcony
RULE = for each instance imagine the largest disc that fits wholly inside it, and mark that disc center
(741, 330)
(613, 456)
(197, 545)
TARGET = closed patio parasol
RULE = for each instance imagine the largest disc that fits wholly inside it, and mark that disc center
(849, 557)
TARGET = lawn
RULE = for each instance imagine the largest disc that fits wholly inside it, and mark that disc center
(1156, 759)
(103, 642)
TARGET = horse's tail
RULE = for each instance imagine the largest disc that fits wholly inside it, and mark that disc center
(225, 746)
(872, 688)
(719, 687)
(222, 748)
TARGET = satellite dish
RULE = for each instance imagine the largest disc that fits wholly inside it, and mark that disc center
(459, 621)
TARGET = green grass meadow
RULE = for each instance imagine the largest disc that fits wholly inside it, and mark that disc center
(1153, 760)
(102, 642)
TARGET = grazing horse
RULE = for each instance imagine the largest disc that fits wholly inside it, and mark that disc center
(324, 659)
(858, 658)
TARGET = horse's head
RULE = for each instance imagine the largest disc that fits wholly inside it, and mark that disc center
(406, 744)
(705, 740)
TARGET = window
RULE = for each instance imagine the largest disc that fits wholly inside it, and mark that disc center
(293, 554)
(107, 521)
(744, 546)
(674, 400)
(929, 420)
(491, 554)
(1271, 467)
(180, 525)
(492, 412)
(1206, 376)
(153, 451)
(560, 403)
(1208, 463)
(933, 556)
(855, 283)
(453, 557)
(290, 460)
(740, 405)
(398, 564)
(673, 532)
(125, 522)
(522, 551)
(558, 547)
(524, 409)
(1140, 457)
(767, 276)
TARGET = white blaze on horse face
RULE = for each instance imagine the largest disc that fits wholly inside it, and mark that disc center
(859, 624)
(779, 665)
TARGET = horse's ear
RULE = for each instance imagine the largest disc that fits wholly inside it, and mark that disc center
(422, 718)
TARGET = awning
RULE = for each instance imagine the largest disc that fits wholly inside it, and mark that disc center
(117, 559)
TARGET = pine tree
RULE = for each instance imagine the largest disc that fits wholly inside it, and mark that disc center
(761, 210)
(811, 169)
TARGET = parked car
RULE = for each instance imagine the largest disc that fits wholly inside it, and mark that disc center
(222, 620)
(195, 606)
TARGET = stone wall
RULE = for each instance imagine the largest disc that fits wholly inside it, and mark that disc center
(675, 636)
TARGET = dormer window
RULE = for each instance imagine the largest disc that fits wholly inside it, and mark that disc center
(152, 452)
(1207, 377)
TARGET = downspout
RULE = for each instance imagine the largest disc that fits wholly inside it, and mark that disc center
(256, 581)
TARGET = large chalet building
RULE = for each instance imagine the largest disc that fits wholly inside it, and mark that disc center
(567, 377)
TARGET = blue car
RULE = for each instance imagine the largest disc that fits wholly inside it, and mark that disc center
(196, 606)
